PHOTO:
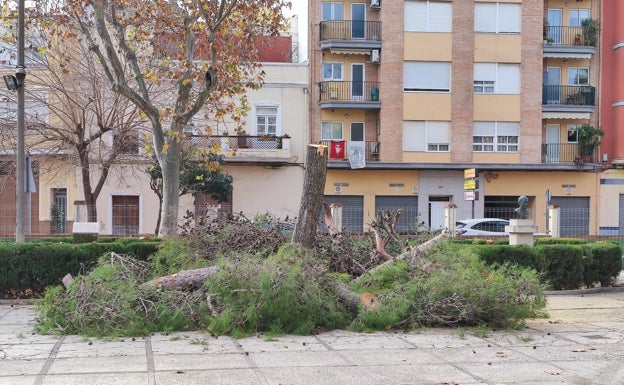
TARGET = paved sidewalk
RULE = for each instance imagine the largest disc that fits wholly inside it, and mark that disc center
(581, 343)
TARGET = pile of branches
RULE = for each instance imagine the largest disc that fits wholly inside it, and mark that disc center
(234, 233)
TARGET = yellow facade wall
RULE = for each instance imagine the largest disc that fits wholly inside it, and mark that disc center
(497, 108)
(427, 157)
(495, 157)
(428, 46)
(426, 106)
(493, 48)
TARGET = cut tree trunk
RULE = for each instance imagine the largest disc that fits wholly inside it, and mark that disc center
(304, 233)
(184, 279)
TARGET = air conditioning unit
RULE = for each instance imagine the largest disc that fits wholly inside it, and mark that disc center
(375, 56)
(375, 4)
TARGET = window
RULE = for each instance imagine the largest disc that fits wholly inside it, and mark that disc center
(573, 134)
(495, 137)
(578, 16)
(426, 76)
(578, 76)
(333, 11)
(331, 131)
(496, 78)
(426, 136)
(497, 17)
(428, 16)
(266, 120)
(332, 71)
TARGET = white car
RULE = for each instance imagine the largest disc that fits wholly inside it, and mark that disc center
(481, 226)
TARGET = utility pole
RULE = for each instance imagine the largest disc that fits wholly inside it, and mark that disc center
(20, 75)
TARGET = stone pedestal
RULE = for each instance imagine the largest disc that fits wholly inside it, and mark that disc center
(521, 231)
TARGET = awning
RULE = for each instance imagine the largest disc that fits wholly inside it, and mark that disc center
(565, 115)
(567, 55)
(350, 51)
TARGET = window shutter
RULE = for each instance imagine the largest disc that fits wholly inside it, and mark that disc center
(510, 17)
(485, 17)
(427, 76)
(414, 136)
(485, 71)
(508, 79)
(484, 128)
(438, 132)
(415, 16)
(440, 17)
(508, 129)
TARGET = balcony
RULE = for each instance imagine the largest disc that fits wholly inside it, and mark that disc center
(573, 42)
(350, 34)
(246, 148)
(568, 98)
(340, 94)
(566, 153)
(372, 151)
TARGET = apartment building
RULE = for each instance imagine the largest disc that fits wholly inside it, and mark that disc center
(411, 94)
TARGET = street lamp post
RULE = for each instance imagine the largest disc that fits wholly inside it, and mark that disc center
(20, 75)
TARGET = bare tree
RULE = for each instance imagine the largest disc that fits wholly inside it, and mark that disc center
(82, 120)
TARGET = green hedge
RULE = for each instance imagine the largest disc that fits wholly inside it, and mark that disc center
(37, 265)
(562, 265)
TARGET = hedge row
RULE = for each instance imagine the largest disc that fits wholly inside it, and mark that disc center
(37, 265)
(563, 266)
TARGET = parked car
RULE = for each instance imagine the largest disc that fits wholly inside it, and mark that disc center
(481, 226)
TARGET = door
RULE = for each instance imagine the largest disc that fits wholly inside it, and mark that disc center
(552, 142)
(436, 215)
(58, 211)
(125, 214)
(358, 23)
(357, 81)
(555, 19)
(553, 85)
(357, 131)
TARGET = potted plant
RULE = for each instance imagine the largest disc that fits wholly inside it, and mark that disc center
(588, 138)
(577, 39)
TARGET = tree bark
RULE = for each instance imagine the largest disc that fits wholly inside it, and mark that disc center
(183, 279)
(304, 233)
(169, 160)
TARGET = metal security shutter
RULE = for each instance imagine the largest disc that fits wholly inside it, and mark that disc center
(574, 215)
(409, 205)
(352, 212)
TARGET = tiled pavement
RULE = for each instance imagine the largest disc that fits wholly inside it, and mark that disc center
(581, 343)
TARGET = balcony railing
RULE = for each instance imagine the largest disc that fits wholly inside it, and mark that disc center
(580, 36)
(372, 150)
(569, 95)
(350, 30)
(349, 91)
(566, 153)
(235, 142)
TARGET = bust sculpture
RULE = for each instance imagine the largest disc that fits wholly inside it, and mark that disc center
(523, 207)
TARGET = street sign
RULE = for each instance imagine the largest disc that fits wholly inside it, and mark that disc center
(471, 195)
(470, 184)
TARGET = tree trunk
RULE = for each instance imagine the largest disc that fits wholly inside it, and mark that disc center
(170, 166)
(184, 279)
(304, 233)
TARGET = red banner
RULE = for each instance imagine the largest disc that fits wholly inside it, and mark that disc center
(337, 149)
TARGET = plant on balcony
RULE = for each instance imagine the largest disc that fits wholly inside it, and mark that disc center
(588, 139)
(590, 29)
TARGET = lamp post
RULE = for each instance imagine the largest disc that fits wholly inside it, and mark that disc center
(20, 75)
